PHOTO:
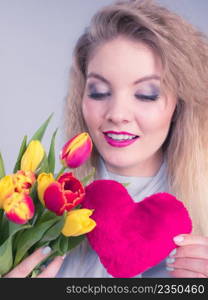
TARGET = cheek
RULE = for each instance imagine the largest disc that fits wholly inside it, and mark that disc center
(92, 113)
(156, 120)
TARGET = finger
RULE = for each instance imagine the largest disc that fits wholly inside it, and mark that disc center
(29, 263)
(190, 239)
(189, 264)
(180, 273)
(192, 251)
(52, 269)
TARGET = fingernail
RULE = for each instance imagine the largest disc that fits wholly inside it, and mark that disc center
(46, 250)
(173, 252)
(170, 260)
(178, 239)
(169, 269)
(63, 256)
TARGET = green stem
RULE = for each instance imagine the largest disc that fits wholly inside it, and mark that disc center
(61, 171)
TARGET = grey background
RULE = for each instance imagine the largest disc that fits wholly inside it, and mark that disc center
(36, 42)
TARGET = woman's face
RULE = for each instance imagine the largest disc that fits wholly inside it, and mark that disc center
(127, 114)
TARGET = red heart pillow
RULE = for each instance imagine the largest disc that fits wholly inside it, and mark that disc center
(132, 237)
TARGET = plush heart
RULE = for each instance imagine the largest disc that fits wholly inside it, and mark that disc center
(132, 237)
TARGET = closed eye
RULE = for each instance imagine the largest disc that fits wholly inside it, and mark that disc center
(99, 96)
(147, 97)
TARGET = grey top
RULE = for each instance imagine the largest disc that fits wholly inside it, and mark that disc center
(83, 262)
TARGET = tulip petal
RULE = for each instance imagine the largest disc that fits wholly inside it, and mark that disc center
(72, 200)
(6, 188)
(78, 222)
(23, 181)
(73, 190)
(64, 194)
(19, 208)
(76, 151)
(54, 198)
(32, 156)
(79, 155)
(44, 180)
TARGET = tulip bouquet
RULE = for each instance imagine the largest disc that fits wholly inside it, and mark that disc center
(39, 208)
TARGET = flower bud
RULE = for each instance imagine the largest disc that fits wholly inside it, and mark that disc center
(76, 151)
(78, 222)
(32, 156)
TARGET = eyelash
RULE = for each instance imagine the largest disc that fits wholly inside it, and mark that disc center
(147, 97)
(101, 96)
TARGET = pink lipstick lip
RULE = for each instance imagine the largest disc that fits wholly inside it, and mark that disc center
(119, 132)
(119, 144)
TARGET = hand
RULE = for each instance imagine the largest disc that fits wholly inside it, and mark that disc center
(29, 263)
(190, 259)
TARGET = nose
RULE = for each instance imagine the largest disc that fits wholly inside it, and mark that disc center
(119, 110)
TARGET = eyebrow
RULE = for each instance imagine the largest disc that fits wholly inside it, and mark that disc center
(145, 78)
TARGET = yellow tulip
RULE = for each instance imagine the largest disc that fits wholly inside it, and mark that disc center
(44, 180)
(6, 188)
(32, 156)
(78, 222)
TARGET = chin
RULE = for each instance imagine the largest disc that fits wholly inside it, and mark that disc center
(118, 164)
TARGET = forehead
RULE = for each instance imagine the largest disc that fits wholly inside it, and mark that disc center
(125, 57)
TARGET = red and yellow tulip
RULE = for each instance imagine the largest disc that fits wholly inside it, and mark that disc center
(78, 222)
(63, 194)
(7, 188)
(23, 181)
(20, 182)
(76, 151)
(19, 208)
(32, 156)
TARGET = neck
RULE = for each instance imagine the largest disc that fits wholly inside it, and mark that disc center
(147, 168)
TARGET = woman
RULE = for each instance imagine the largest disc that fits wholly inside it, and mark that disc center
(139, 86)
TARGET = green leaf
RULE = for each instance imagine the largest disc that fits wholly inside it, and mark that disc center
(51, 154)
(87, 178)
(22, 150)
(6, 255)
(54, 231)
(64, 244)
(39, 208)
(43, 167)
(73, 241)
(33, 192)
(55, 246)
(13, 227)
(2, 169)
(4, 229)
(40, 132)
(46, 216)
(1, 217)
(30, 237)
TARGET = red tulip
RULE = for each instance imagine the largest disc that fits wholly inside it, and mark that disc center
(63, 194)
(76, 151)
